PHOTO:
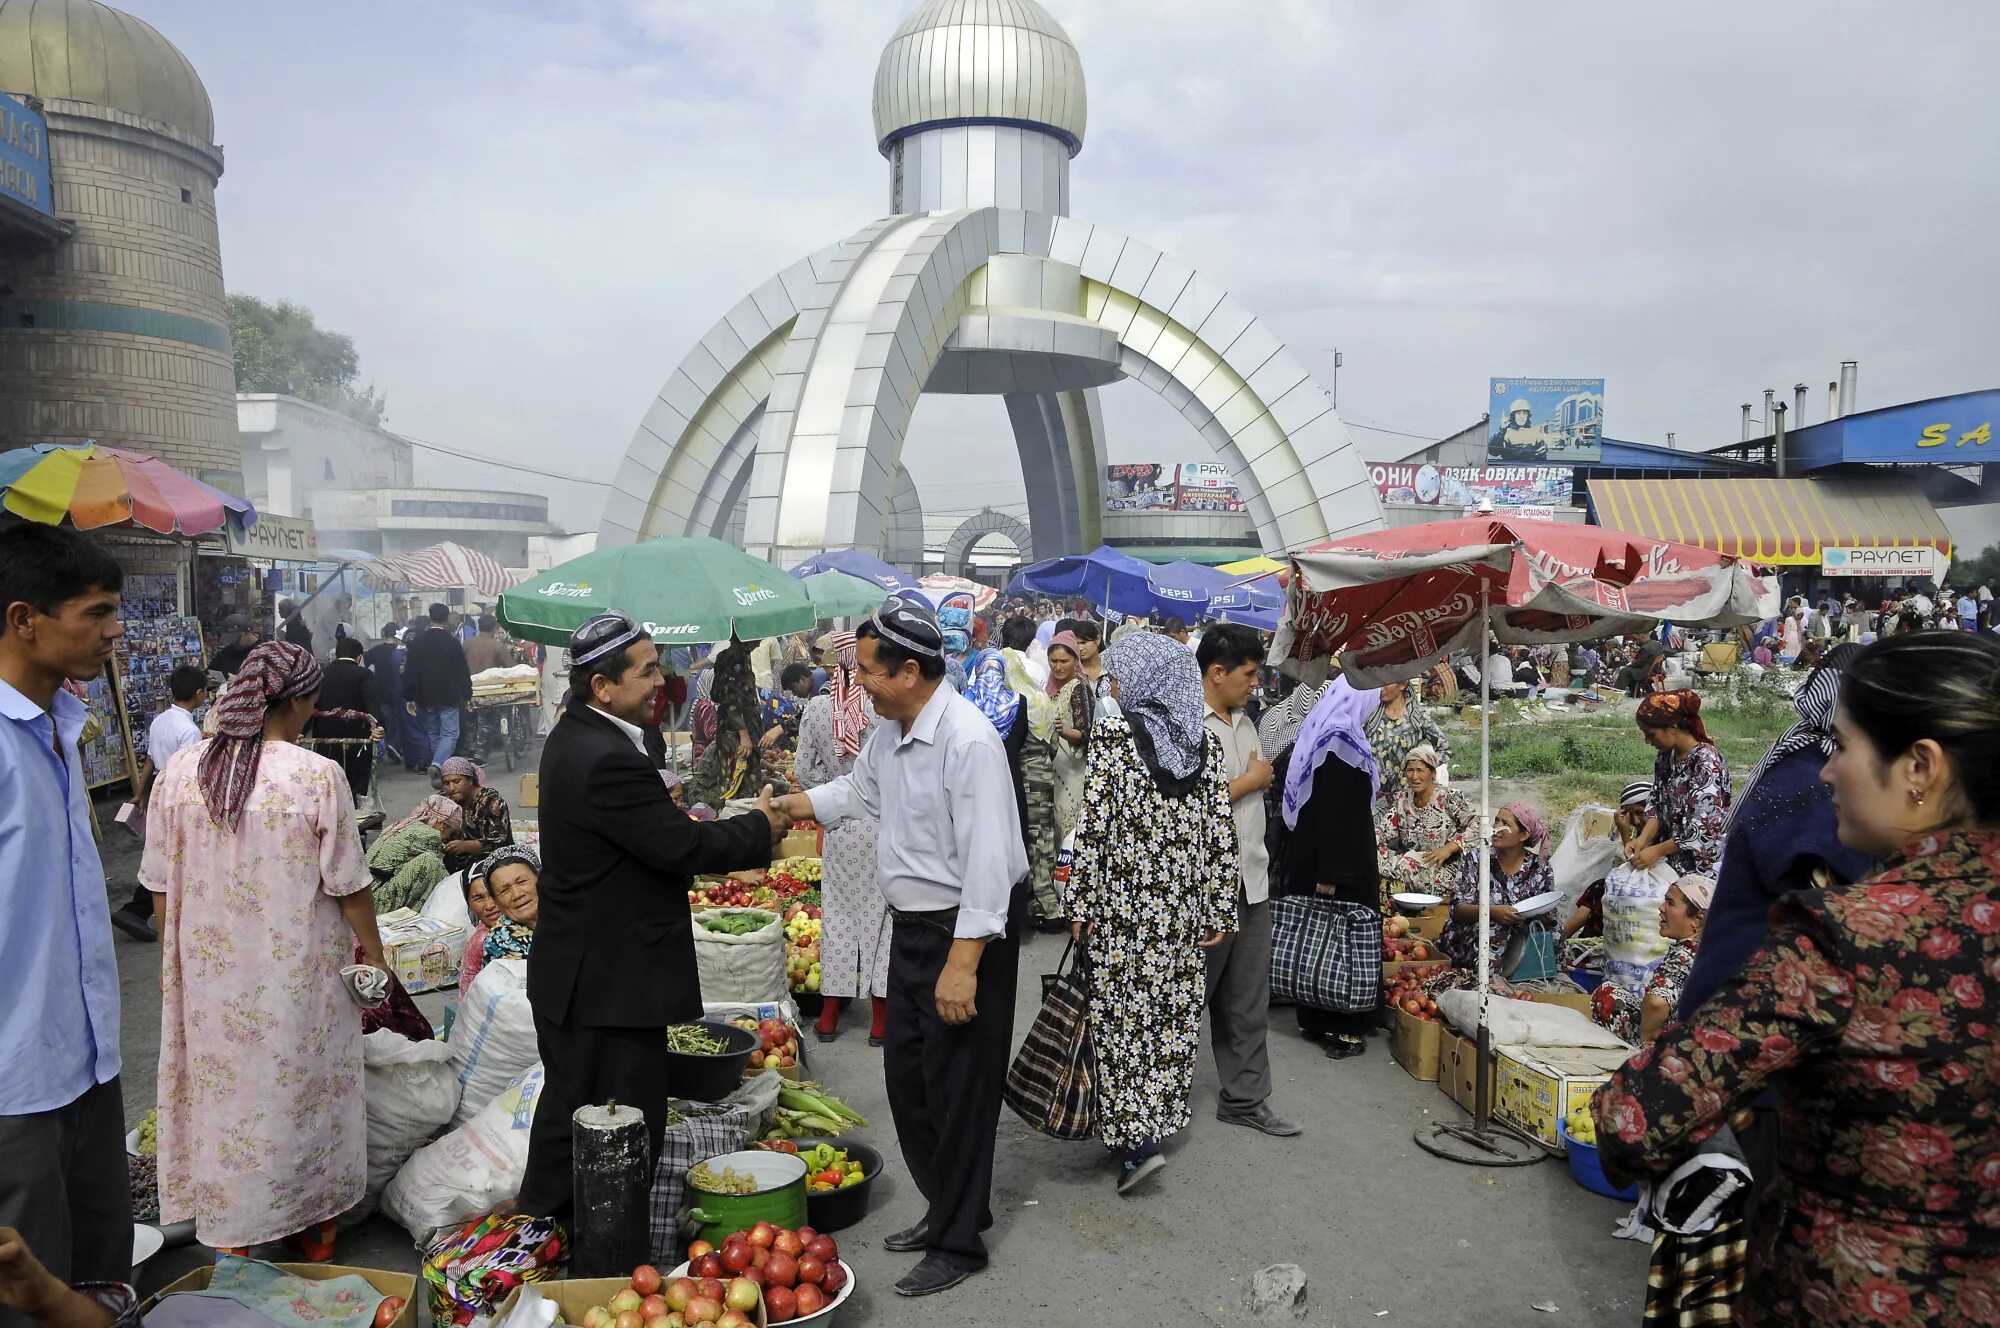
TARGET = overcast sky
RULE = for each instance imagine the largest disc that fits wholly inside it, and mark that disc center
(525, 213)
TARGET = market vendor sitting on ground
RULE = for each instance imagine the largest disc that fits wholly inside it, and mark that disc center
(485, 913)
(484, 826)
(1422, 831)
(407, 859)
(513, 876)
(1519, 870)
(1638, 1015)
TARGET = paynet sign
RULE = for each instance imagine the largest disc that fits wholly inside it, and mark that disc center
(1920, 560)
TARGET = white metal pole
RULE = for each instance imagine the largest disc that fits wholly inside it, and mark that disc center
(1485, 807)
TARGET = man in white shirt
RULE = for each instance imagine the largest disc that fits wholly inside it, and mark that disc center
(933, 774)
(1239, 969)
(171, 730)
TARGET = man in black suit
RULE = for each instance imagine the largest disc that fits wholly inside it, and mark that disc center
(613, 962)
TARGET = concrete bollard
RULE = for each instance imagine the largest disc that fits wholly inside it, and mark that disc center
(613, 1180)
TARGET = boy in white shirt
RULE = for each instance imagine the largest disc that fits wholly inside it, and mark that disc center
(171, 730)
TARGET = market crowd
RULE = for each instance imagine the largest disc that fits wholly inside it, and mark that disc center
(1191, 821)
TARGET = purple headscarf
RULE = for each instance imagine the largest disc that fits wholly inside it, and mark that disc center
(1333, 728)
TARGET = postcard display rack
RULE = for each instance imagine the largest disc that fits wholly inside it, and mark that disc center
(158, 639)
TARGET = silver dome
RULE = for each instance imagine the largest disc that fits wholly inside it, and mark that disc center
(980, 61)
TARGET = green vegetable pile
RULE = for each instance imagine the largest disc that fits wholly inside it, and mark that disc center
(739, 924)
(695, 1040)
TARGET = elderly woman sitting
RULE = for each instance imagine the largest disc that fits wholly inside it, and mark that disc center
(484, 825)
(1422, 831)
(407, 860)
(485, 911)
(1638, 1016)
(514, 875)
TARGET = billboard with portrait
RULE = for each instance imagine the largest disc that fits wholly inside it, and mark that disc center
(1544, 421)
(1152, 486)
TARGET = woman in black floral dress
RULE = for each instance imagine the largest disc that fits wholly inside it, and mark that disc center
(1874, 1009)
(1152, 884)
(1688, 816)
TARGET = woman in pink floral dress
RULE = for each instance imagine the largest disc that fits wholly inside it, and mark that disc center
(262, 892)
(1874, 1010)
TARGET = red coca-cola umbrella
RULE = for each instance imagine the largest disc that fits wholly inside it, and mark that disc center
(1391, 604)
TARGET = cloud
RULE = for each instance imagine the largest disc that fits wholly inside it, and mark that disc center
(526, 213)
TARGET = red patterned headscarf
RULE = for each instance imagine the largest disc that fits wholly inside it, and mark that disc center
(274, 671)
(853, 712)
(1675, 710)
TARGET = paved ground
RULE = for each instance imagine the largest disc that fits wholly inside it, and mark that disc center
(1385, 1232)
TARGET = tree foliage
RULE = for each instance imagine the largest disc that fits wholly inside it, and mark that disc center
(1983, 570)
(280, 348)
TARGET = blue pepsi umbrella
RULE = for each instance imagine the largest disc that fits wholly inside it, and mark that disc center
(1186, 590)
(1256, 602)
(856, 563)
(1103, 576)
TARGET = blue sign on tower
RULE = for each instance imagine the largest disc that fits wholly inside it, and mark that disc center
(24, 157)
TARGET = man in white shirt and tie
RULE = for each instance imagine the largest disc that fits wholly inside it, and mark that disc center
(933, 773)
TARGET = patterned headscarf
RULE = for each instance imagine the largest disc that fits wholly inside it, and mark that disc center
(1159, 691)
(1334, 728)
(853, 709)
(1531, 824)
(1065, 641)
(275, 671)
(1675, 710)
(1041, 707)
(459, 765)
(1700, 890)
(527, 855)
(735, 695)
(987, 688)
(1424, 752)
(1279, 728)
(1814, 699)
(434, 808)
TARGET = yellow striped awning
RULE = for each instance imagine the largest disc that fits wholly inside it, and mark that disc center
(1785, 522)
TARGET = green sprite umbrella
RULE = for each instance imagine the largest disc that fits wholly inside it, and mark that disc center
(682, 591)
(839, 595)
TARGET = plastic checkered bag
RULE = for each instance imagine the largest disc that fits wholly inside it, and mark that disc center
(1326, 955)
(701, 1130)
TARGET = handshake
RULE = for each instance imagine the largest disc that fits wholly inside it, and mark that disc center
(781, 812)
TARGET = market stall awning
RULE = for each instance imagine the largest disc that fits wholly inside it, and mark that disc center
(1783, 522)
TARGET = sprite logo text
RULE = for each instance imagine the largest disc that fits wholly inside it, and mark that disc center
(567, 590)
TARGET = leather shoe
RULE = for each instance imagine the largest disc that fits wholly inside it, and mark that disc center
(133, 925)
(1260, 1117)
(912, 1237)
(917, 1235)
(934, 1274)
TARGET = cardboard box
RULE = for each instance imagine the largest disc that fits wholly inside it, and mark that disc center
(801, 841)
(1416, 1044)
(1574, 1000)
(1429, 924)
(1537, 1086)
(575, 1297)
(389, 1284)
(423, 952)
(1457, 1061)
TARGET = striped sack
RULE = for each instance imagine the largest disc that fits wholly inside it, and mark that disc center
(1052, 1084)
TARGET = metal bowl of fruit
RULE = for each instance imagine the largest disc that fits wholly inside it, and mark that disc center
(834, 1206)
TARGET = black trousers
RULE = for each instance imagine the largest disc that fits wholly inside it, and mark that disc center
(582, 1067)
(65, 1185)
(944, 1080)
(1335, 1023)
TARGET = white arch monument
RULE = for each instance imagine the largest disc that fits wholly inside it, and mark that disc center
(793, 410)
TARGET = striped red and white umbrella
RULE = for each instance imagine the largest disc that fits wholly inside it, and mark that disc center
(441, 567)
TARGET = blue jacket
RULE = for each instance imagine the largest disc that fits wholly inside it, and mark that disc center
(1782, 832)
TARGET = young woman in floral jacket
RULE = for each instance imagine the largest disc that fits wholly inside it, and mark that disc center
(1874, 1010)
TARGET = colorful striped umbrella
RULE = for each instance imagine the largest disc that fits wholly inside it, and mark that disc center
(439, 567)
(91, 485)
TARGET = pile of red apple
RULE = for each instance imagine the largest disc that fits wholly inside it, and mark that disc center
(800, 1271)
(685, 1302)
(1408, 948)
(777, 1044)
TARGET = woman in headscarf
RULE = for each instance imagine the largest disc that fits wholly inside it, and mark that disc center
(1277, 731)
(484, 825)
(1422, 831)
(1689, 813)
(1152, 885)
(987, 688)
(1075, 704)
(1029, 681)
(703, 722)
(1398, 727)
(1328, 804)
(514, 875)
(854, 922)
(407, 859)
(1638, 1014)
(484, 910)
(733, 765)
(253, 848)
(1518, 870)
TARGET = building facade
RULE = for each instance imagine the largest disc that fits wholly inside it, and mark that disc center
(119, 331)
